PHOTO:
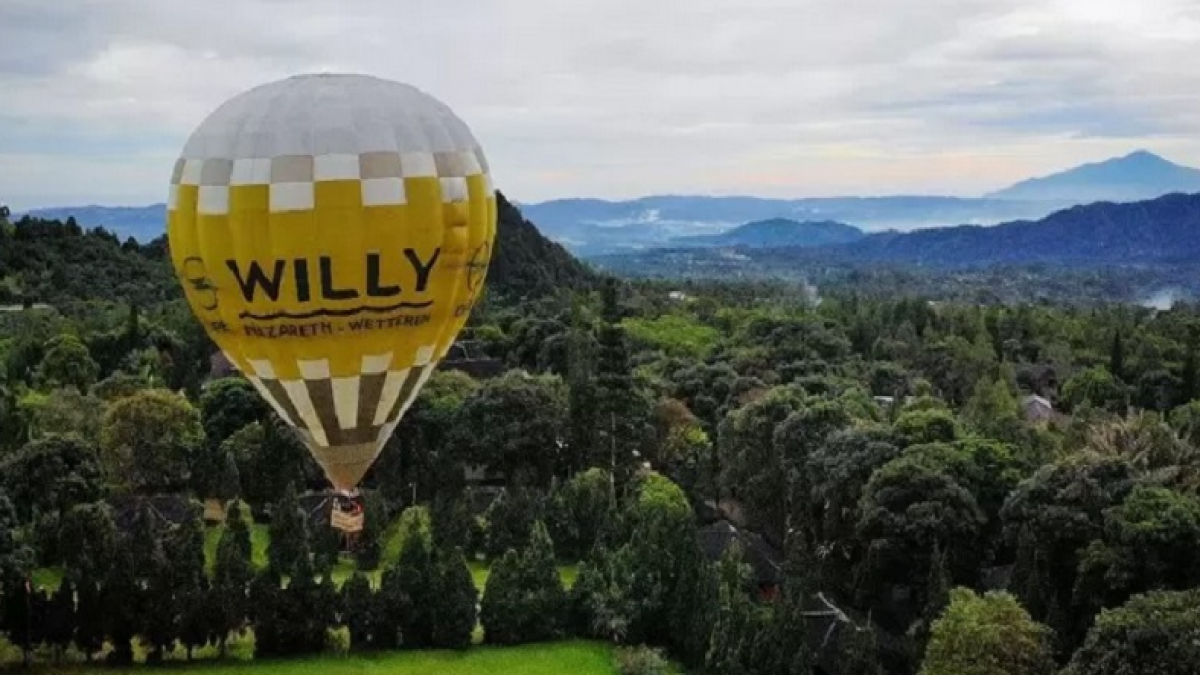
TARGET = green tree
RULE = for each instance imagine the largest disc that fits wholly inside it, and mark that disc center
(500, 608)
(289, 550)
(582, 413)
(1116, 358)
(513, 424)
(188, 581)
(579, 510)
(89, 614)
(149, 438)
(67, 363)
(1149, 543)
(510, 518)
(16, 563)
(918, 427)
(52, 475)
(268, 456)
(392, 606)
(121, 604)
(1095, 387)
(454, 613)
(88, 541)
(1158, 632)
(524, 600)
(157, 620)
(623, 422)
(739, 623)
(908, 507)
(987, 635)
(362, 612)
(418, 588)
(232, 574)
(370, 539)
(227, 405)
(545, 598)
(1189, 377)
(752, 466)
(60, 619)
(62, 412)
(858, 652)
(1062, 508)
(1185, 420)
(838, 472)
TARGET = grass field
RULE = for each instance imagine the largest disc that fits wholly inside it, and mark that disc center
(557, 658)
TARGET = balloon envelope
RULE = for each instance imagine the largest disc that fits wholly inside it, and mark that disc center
(332, 233)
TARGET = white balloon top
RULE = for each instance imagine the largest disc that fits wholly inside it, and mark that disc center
(330, 114)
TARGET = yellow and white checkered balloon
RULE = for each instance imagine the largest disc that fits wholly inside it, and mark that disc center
(332, 233)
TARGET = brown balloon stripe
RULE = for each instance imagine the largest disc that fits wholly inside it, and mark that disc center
(321, 399)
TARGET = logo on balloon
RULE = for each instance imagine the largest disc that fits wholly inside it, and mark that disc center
(477, 267)
(196, 275)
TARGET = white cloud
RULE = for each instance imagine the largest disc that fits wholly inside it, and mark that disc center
(620, 98)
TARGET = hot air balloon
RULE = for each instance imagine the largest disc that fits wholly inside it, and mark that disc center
(332, 233)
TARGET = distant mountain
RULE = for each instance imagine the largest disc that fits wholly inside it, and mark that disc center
(1136, 176)
(777, 232)
(1164, 231)
(591, 227)
(143, 223)
(1161, 230)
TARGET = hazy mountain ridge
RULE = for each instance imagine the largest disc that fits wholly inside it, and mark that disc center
(1137, 176)
(594, 227)
(777, 232)
(143, 223)
(1162, 231)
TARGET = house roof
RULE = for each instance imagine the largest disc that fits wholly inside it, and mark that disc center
(1035, 399)
(764, 560)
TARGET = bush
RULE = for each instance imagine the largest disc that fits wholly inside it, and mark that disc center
(642, 660)
(337, 641)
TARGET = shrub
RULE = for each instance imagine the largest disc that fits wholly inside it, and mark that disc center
(642, 660)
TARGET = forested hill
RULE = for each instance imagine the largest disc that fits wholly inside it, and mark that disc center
(1162, 230)
(526, 263)
(55, 262)
(52, 261)
(1156, 234)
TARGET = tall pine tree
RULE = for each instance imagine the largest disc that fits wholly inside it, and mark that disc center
(582, 415)
(454, 614)
(361, 612)
(418, 588)
(190, 583)
(1189, 385)
(289, 550)
(231, 577)
(621, 423)
(1116, 359)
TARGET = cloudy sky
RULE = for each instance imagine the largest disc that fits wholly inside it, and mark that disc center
(621, 98)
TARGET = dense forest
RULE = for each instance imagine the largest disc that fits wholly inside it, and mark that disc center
(905, 485)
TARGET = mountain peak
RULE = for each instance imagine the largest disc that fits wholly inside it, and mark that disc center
(1141, 174)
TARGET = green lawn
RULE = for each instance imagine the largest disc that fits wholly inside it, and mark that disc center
(558, 658)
